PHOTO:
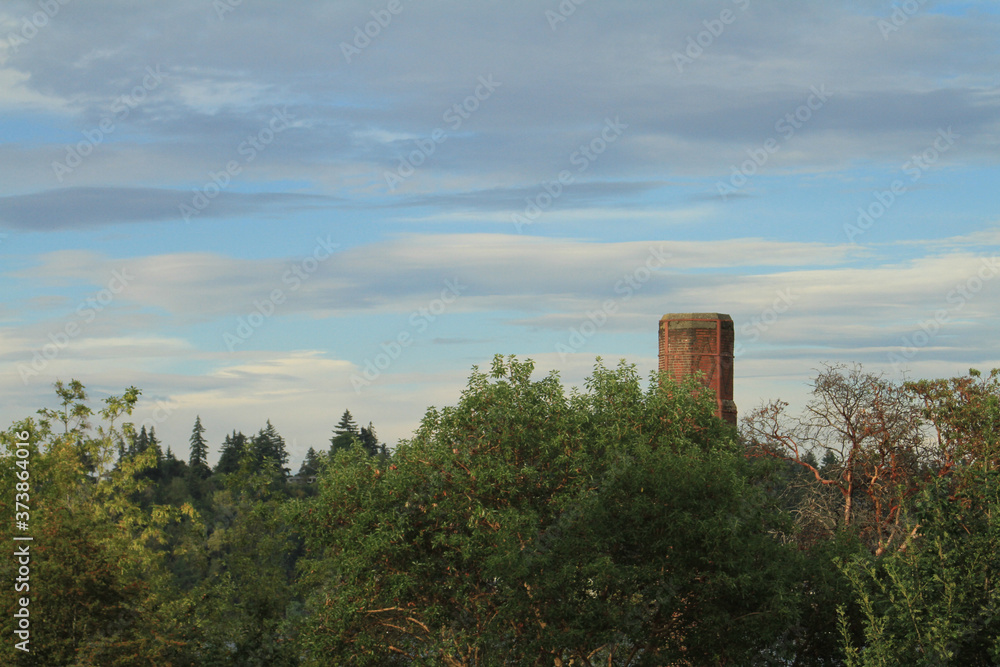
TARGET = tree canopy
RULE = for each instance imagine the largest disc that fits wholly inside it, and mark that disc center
(617, 524)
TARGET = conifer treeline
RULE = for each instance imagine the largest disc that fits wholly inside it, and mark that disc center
(264, 450)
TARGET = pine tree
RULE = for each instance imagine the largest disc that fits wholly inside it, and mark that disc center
(268, 448)
(370, 441)
(155, 444)
(156, 471)
(310, 464)
(199, 451)
(140, 443)
(344, 434)
(233, 448)
(172, 466)
(830, 460)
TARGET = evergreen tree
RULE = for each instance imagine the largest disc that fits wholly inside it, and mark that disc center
(268, 447)
(155, 472)
(140, 443)
(233, 448)
(310, 464)
(198, 460)
(369, 440)
(155, 444)
(344, 434)
(122, 451)
(172, 466)
(830, 460)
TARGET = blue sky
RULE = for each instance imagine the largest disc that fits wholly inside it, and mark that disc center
(242, 207)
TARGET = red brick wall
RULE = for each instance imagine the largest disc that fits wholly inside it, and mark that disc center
(693, 343)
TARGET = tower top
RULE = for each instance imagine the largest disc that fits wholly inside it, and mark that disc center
(697, 316)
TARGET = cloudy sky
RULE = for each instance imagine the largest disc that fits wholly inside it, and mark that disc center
(257, 210)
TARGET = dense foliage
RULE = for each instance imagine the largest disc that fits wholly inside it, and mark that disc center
(522, 526)
(619, 524)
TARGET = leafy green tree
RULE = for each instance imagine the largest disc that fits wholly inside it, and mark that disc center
(935, 601)
(523, 526)
(198, 460)
(965, 412)
(143, 442)
(246, 592)
(99, 591)
(73, 413)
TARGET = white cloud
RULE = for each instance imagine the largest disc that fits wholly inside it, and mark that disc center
(17, 94)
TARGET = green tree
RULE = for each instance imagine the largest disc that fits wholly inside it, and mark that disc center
(936, 601)
(344, 433)
(246, 593)
(140, 442)
(198, 460)
(154, 444)
(99, 592)
(268, 450)
(171, 466)
(523, 526)
(233, 449)
(965, 412)
(370, 443)
(73, 413)
(310, 464)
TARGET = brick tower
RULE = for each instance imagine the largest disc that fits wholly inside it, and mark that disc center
(701, 342)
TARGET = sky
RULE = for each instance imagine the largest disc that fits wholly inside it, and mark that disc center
(257, 210)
